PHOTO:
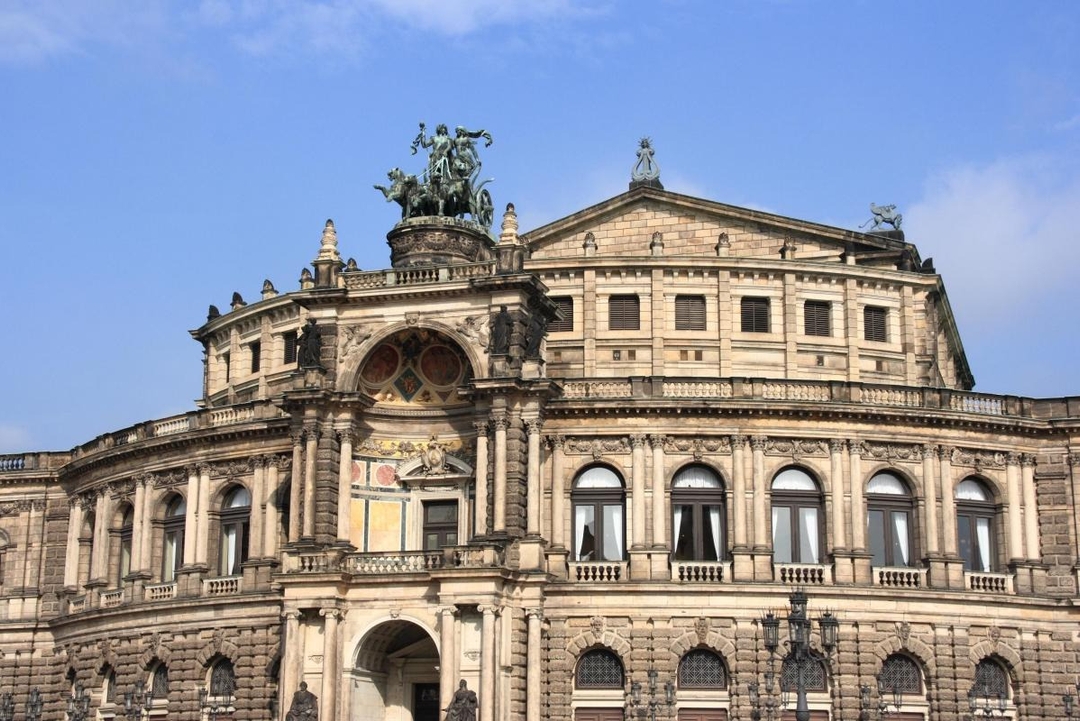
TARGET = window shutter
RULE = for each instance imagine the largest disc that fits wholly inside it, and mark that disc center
(623, 312)
(816, 317)
(755, 315)
(689, 312)
(874, 323)
(290, 347)
(566, 308)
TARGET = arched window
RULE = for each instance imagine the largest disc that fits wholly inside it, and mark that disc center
(235, 516)
(697, 507)
(991, 681)
(702, 668)
(975, 525)
(159, 682)
(222, 679)
(108, 688)
(599, 531)
(172, 549)
(797, 517)
(127, 523)
(888, 520)
(900, 674)
(814, 675)
(3, 552)
(599, 668)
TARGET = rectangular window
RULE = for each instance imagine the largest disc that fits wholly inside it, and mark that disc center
(226, 359)
(623, 312)
(689, 312)
(755, 315)
(565, 305)
(816, 319)
(440, 524)
(290, 347)
(256, 353)
(875, 327)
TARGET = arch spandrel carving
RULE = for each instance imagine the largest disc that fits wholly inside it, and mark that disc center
(914, 648)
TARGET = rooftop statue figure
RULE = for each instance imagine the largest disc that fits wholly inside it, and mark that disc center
(883, 214)
(645, 168)
(441, 145)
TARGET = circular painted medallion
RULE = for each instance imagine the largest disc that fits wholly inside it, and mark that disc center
(381, 365)
(440, 365)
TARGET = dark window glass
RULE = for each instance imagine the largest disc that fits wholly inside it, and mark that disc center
(755, 315)
(172, 556)
(222, 678)
(623, 312)
(235, 517)
(816, 317)
(874, 323)
(901, 673)
(226, 360)
(991, 680)
(110, 687)
(160, 682)
(702, 668)
(689, 312)
(697, 506)
(888, 521)
(566, 308)
(290, 347)
(256, 353)
(440, 524)
(126, 527)
(975, 532)
(599, 529)
(599, 669)
(798, 517)
(813, 674)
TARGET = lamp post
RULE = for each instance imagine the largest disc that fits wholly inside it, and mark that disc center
(215, 706)
(755, 698)
(1069, 700)
(138, 701)
(896, 691)
(986, 705)
(7, 707)
(78, 703)
(33, 705)
(647, 708)
(798, 642)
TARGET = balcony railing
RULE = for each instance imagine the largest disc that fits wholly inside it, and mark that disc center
(397, 562)
(160, 591)
(899, 577)
(803, 574)
(363, 280)
(367, 564)
(222, 586)
(112, 599)
(701, 571)
(77, 604)
(988, 582)
(598, 571)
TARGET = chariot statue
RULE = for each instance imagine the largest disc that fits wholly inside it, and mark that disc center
(883, 214)
(450, 185)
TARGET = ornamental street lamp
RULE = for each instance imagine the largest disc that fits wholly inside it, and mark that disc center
(78, 703)
(33, 705)
(214, 706)
(7, 707)
(896, 692)
(647, 708)
(138, 701)
(986, 705)
(1069, 700)
(800, 630)
(755, 698)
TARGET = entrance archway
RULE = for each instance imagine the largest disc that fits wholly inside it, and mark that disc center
(395, 675)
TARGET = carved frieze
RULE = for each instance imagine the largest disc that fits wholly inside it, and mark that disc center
(697, 447)
(796, 448)
(477, 329)
(978, 459)
(597, 447)
(892, 451)
(350, 338)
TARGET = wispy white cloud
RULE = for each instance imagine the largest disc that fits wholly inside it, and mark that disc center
(1003, 234)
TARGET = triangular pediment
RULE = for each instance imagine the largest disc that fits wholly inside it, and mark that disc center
(632, 224)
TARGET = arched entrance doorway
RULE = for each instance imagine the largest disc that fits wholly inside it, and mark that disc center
(395, 675)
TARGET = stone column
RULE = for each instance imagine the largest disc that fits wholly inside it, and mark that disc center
(311, 447)
(1014, 522)
(344, 505)
(291, 657)
(100, 562)
(331, 665)
(858, 508)
(71, 559)
(296, 485)
(532, 516)
(191, 526)
(637, 473)
(929, 463)
(270, 522)
(481, 477)
(1031, 508)
(761, 525)
(500, 421)
(738, 490)
(203, 519)
(487, 664)
(447, 655)
(948, 501)
(140, 526)
(258, 498)
(147, 532)
(659, 512)
(836, 457)
(558, 492)
(534, 668)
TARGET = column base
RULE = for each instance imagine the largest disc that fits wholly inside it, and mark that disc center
(763, 565)
(556, 558)
(946, 572)
(531, 553)
(843, 567)
(189, 579)
(742, 565)
(1030, 577)
(640, 565)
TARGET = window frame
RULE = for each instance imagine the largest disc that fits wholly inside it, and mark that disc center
(255, 351)
(972, 511)
(596, 653)
(698, 500)
(887, 504)
(876, 323)
(236, 518)
(442, 529)
(565, 304)
(813, 322)
(755, 313)
(624, 311)
(125, 539)
(289, 347)
(691, 312)
(796, 501)
(598, 499)
(173, 526)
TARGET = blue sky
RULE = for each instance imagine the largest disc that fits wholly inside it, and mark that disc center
(157, 156)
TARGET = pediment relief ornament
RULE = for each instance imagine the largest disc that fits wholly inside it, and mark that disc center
(978, 459)
(892, 451)
(701, 628)
(697, 446)
(477, 329)
(350, 338)
(796, 448)
(596, 623)
(597, 447)
(232, 468)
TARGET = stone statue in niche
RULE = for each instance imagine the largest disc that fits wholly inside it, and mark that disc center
(309, 346)
(305, 705)
(502, 326)
(464, 704)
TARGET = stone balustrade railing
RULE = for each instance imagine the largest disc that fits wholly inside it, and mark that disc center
(899, 577)
(363, 280)
(988, 582)
(598, 571)
(112, 599)
(803, 574)
(701, 571)
(366, 564)
(223, 586)
(160, 591)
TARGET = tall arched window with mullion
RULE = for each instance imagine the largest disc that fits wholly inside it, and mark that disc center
(888, 520)
(172, 556)
(235, 516)
(975, 514)
(697, 507)
(797, 517)
(599, 499)
(127, 525)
